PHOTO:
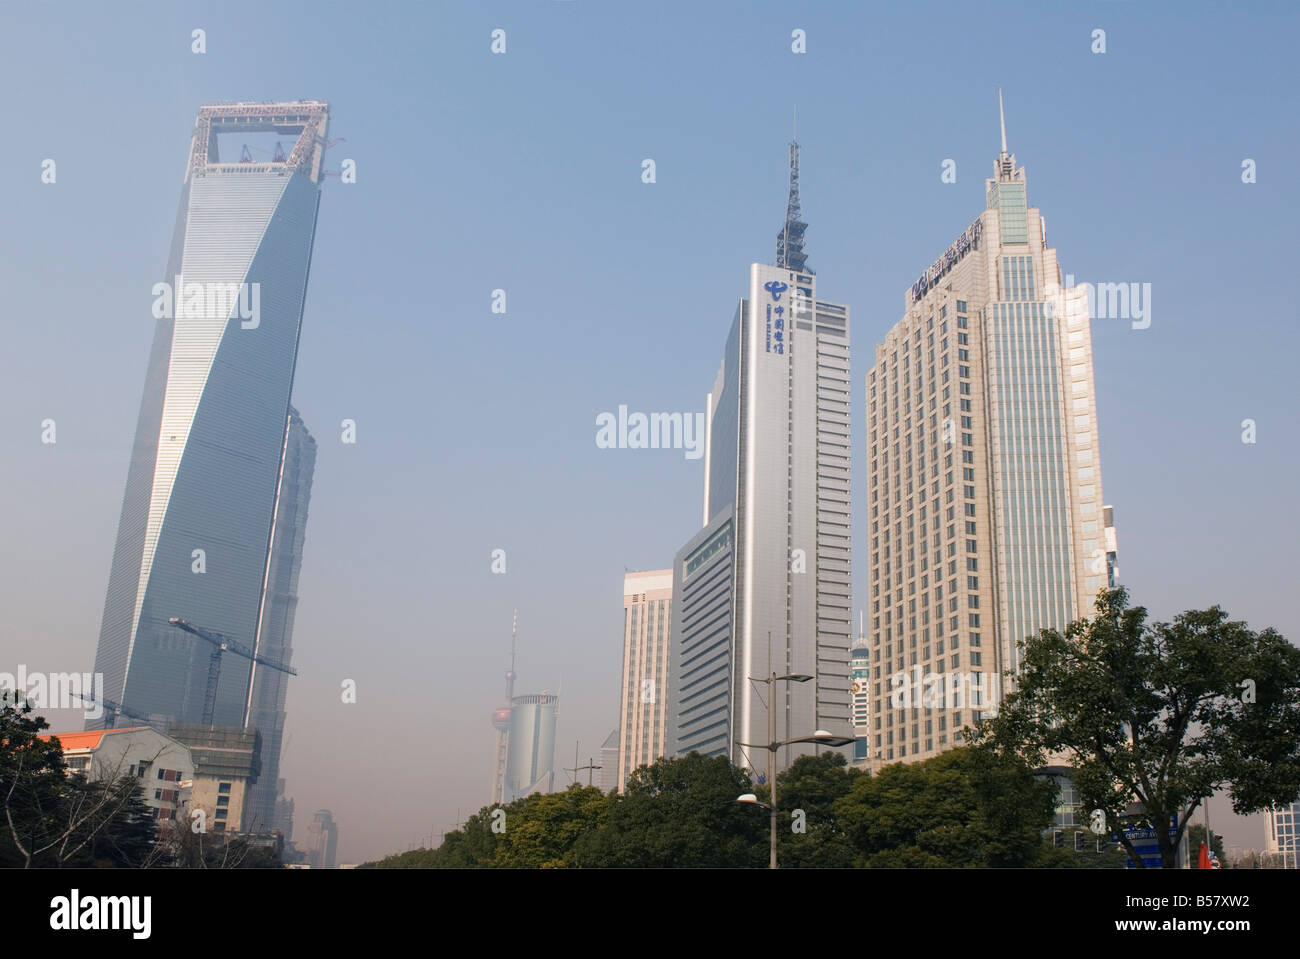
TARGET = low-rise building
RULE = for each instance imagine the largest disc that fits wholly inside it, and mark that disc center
(163, 764)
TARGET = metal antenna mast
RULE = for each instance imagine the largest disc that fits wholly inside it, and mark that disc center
(790, 241)
(501, 721)
(514, 641)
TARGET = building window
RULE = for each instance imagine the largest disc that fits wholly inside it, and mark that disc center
(225, 788)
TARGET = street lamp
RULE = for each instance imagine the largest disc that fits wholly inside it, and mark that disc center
(821, 737)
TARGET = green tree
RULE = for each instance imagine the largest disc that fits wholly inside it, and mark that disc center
(535, 832)
(964, 807)
(812, 785)
(123, 840)
(1196, 836)
(679, 813)
(53, 819)
(1161, 715)
(1112, 856)
(542, 833)
(33, 781)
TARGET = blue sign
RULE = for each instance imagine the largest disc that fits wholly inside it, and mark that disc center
(1147, 845)
(776, 328)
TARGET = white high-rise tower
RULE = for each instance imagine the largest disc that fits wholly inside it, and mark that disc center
(764, 586)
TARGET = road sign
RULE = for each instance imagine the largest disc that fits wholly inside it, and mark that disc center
(1147, 845)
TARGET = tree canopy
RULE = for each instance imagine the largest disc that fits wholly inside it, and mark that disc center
(1153, 718)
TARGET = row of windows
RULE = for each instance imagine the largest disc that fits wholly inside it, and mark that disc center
(894, 538)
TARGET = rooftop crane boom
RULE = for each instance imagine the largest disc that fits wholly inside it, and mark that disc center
(112, 709)
(222, 644)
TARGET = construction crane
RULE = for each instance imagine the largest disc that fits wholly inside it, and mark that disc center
(222, 644)
(112, 709)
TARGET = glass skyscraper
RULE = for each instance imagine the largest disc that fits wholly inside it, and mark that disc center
(216, 492)
(270, 686)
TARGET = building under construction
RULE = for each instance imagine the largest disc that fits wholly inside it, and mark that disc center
(215, 504)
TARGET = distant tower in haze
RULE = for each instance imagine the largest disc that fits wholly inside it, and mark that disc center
(322, 840)
(524, 759)
(531, 765)
(501, 723)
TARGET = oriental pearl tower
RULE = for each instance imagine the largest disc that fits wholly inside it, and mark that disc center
(501, 723)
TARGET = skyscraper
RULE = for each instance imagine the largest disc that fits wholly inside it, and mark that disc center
(764, 586)
(860, 665)
(531, 767)
(270, 686)
(647, 606)
(322, 840)
(984, 497)
(608, 778)
(205, 484)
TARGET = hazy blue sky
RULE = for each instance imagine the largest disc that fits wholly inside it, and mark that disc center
(522, 172)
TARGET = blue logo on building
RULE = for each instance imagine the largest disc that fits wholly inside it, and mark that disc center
(775, 341)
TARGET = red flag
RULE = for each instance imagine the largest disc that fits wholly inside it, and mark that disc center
(1203, 861)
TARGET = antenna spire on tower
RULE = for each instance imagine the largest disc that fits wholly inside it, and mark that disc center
(1003, 117)
(514, 642)
(789, 242)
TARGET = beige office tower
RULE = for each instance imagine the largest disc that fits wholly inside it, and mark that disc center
(984, 498)
(643, 724)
